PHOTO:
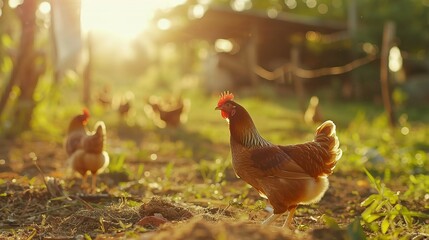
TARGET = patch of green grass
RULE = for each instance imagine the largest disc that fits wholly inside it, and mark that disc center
(384, 213)
(213, 172)
(418, 189)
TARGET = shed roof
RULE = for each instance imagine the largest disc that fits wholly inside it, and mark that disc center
(222, 22)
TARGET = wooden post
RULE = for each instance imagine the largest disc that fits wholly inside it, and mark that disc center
(352, 18)
(388, 35)
(252, 50)
(299, 86)
(87, 72)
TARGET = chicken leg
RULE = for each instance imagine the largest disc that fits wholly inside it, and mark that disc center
(271, 219)
(84, 181)
(94, 181)
(288, 222)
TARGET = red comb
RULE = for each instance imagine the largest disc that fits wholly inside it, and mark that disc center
(224, 97)
(86, 112)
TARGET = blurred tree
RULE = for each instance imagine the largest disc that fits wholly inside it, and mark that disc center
(7, 51)
(27, 67)
(410, 16)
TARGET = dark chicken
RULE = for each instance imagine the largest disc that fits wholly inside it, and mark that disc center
(124, 104)
(171, 117)
(124, 108)
(85, 148)
(285, 175)
(168, 113)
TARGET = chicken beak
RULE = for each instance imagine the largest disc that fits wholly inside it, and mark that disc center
(218, 108)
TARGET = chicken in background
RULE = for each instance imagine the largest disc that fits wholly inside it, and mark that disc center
(123, 104)
(168, 113)
(286, 175)
(313, 113)
(124, 108)
(104, 97)
(86, 149)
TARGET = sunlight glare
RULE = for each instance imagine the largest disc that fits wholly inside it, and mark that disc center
(164, 24)
(369, 48)
(311, 3)
(291, 4)
(405, 130)
(313, 36)
(395, 59)
(223, 45)
(15, 3)
(241, 5)
(196, 11)
(45, 7)
(322, 8)
(123, 18)
(272, 13)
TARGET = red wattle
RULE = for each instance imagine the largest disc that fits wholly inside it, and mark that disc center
(224, 114)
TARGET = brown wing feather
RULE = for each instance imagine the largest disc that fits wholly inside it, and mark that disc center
(310, 156)
(272, 161)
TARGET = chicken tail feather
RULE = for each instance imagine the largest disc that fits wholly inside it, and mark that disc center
(95, 142)
(326, 137)
(100, 128)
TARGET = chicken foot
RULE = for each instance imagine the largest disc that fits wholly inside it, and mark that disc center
(287, 223)
(271, 219)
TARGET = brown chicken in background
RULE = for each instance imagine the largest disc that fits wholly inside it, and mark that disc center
(123, 108)
(168, 113)
(86, 149)
(285, 175)
(124, 104)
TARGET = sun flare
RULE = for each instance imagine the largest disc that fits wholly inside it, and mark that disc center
(122, 18)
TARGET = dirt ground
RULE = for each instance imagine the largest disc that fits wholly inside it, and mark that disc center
(141, 210)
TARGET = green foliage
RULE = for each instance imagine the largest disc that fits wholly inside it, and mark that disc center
(355, 230)
(384, 214)
(375, 145)
(330, 222)
(168, 171)
(117, 163)
(213, 172)
(405, 13)
(418, 188)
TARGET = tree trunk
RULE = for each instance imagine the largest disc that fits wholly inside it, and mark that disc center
(25, 74)
(388, 36)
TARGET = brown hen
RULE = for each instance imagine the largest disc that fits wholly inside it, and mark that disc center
(86, 149)
(285, 175)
